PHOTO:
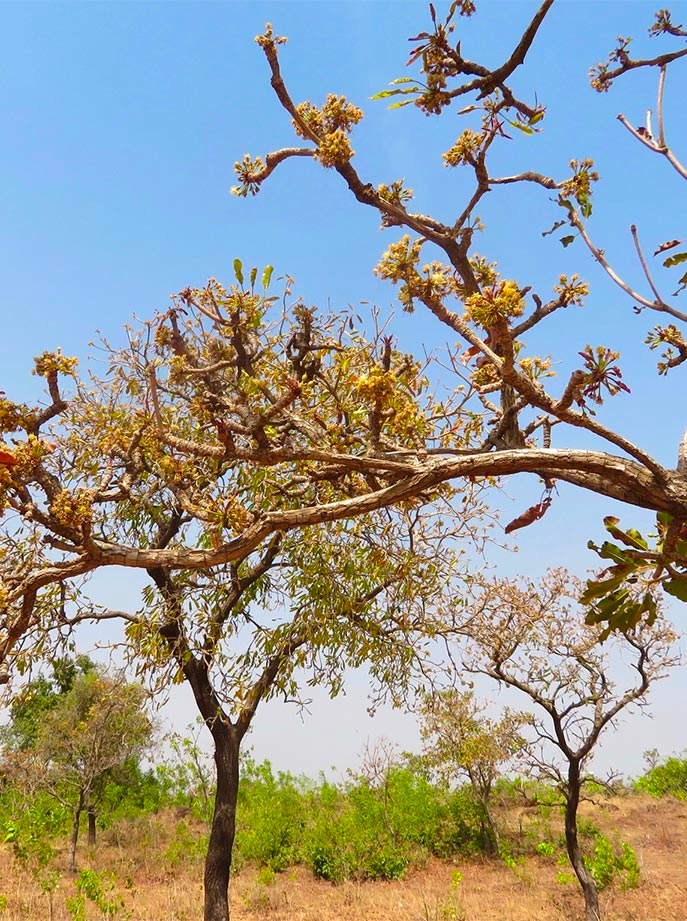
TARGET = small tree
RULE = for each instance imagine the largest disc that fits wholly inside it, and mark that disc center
(29, 707)
(534, 639)
(459, 740)
(93, 728)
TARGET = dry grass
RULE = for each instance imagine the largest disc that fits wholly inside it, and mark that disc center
(161, 882)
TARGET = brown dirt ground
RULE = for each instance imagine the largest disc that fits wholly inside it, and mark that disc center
(488, 891)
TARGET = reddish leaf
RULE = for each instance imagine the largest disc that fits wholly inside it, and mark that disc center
(669, 245)
(7, 458)
(529, 516)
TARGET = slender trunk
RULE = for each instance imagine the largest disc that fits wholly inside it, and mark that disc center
(490, 832)
(223, 827)
(587, 881)
(91, 826)
(76, 820)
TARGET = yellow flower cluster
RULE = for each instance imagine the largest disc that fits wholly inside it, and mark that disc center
(334, 149)
(399, 260)
(71, 510)
(14, 416)
(465, 149)
(269, 38)
(376, 386)
(247, 171)
(484, 376)
(50, 362)
(500, 302)
(572, 291)
(579, 186)
(331, 124)
(536, 367)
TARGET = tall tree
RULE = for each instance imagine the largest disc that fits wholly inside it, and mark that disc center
(142, 470)
(533, 638)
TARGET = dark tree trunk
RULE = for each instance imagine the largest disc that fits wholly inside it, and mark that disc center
(227, 743)
(91, 826)
(76, 821)
(223, 827)
(587, 881)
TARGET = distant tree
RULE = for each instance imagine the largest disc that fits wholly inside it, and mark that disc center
(533, 638)
(460, 741)
(29, 707)
(94, 727)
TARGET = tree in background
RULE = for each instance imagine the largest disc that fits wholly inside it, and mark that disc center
(30, 705)
(93, 728)
(533, 638)
(460, 741)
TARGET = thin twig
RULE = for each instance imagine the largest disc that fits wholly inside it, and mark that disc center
(645, 267)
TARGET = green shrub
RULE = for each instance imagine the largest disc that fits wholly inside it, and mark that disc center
(271, 817)
(609, 864)
(669, 778)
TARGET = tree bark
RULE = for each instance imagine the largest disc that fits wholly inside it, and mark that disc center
(76, 820)
(587, 881)
(227, 744)
(223, 827)
(490, 832)
(91, 826)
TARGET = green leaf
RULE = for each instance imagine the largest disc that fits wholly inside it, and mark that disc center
(267, 276)
(567, 240)
(609, 551)
(675, 260)
(238, 267)
(596, 590)
(631, 537)
(384, 94)
(677, 587)
(521, 126)
(253, 276)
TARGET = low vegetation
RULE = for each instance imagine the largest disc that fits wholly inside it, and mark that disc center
(297, 836)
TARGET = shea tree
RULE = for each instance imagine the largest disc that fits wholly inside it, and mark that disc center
(150, 467)
(230, 426)
(532, 638)
(514, 417)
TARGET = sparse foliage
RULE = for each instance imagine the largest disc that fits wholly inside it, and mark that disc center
(533, 639)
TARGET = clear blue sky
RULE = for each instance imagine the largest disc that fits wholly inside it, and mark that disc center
(121, 123)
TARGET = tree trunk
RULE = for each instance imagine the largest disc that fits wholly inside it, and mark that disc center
(587, 881)
(223, 827)
(91, 826)
(490, 832)
(76, 821)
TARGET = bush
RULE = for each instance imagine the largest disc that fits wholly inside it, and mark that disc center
(669, 778)
(607, 865)
(271, 817)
